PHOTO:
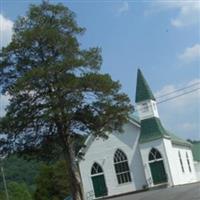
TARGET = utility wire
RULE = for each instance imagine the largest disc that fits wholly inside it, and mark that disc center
(178, 90)
(175, 97)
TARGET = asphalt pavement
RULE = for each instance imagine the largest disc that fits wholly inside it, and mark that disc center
(184, 192)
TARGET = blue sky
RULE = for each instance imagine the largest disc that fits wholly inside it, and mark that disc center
(160, 37)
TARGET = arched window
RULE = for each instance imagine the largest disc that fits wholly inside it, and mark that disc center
(154, 155)
(188, 162)
(181, 162)
(157, 167)
(121, 167)
(96, 169)
(98, 181)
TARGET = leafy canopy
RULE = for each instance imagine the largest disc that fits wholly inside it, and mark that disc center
(56, 88)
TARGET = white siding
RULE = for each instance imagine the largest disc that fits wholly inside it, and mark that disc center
(145, 150)
(102, 152)
(197, 169)
(178, 176)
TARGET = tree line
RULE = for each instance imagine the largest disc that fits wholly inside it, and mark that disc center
(34, 180)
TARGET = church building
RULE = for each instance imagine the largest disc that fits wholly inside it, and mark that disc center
(146, 155)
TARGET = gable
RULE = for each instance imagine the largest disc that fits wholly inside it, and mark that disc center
(127, 138)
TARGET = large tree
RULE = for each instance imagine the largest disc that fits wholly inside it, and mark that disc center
(56, 89)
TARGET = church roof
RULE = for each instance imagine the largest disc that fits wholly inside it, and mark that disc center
(179, 141)
(152, 129)
(196, 150)
(143, 91)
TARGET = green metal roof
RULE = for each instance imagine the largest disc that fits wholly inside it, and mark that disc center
(196, 150)
(179, 141)
(143, 91)
(152, 129)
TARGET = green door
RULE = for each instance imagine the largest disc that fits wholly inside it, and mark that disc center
(158, 172)
(99, 186)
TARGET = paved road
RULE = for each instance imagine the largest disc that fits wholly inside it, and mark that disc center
(186, 192)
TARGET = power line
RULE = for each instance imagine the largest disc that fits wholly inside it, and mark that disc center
(175, 97)
(178, 90)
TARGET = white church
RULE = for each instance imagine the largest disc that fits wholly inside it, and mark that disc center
(146, 155)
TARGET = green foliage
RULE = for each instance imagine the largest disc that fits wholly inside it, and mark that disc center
(20, 171)
(52, 182)
(44, 181)
(56, 88)
(17, 191)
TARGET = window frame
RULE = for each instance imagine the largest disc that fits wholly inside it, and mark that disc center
(155, 153)
(188, 162)
(96, 173)
(145, 107)
(120, 160)
(181, 162)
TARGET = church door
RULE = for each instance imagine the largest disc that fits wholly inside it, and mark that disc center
(98, 181)
(157, 167)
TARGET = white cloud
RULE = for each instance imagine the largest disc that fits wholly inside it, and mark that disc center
(124, 7)
(190, 54)
(6, 26)
(181, 115)
(188, 11)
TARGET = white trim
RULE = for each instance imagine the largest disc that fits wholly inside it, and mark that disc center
(156, 160)
(134, 123)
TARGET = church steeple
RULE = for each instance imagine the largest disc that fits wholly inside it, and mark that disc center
(145, 100)
(143, 91)
(151, 125)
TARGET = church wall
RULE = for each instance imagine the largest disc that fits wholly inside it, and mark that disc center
(197, 169)
(178, 176)
(145, 149)
(102, 152)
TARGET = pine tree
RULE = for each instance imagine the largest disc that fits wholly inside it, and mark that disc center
(56, 89)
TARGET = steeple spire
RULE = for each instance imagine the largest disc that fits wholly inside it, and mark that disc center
(151, 125)
(143, 91)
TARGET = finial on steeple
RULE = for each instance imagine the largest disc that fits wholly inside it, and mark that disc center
(143, 91)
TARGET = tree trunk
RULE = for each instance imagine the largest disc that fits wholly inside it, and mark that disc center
(73, 170)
